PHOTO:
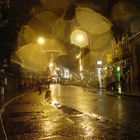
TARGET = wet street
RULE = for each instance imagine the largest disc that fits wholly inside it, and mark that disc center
(72, 113)
(115, 108)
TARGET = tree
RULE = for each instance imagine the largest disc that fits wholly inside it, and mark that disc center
(10, 24)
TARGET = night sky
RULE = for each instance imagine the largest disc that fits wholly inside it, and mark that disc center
(24, 6)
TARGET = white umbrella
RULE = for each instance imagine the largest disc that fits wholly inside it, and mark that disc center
(92, 21)
(33, 57)
(54, 46)
(123, 12)
(25, 35)
(46, 16)
(101, 42)
(36, 57)
(48, 23)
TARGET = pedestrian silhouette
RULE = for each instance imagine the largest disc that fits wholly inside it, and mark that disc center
(39, 87)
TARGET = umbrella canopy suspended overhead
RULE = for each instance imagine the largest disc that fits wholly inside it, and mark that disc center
(101, 42)
(91, 21)
(25, 35)
(135, 25)
(54, 46)
(123, 12)
(35, 57)
(43, 22)
(46, 16)
(49, 24)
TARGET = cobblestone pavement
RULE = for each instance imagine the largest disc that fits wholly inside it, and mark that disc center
(32, 118)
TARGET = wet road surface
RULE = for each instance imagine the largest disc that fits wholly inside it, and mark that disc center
(113, 107)
(71, 113)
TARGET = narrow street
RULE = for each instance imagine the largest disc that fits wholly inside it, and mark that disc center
(71, 113)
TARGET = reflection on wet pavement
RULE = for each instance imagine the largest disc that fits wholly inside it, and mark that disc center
(32, 118)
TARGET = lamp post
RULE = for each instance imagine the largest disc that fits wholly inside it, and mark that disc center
(80, 39)
(80, 61)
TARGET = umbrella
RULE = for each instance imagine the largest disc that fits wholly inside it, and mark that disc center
(33, 57)
(92, 21)
(41, 28)
(135, 25)
(46, 16)
(123, 12)
(36, 57)
(54, 46)
(49, 24)
(26, 35)
(101, 42)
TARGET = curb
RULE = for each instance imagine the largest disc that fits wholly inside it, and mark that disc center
(113, 92)
(3, 109)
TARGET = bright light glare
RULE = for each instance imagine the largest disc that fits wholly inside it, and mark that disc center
(41, 40)
(99, 62)
(57, 68)
(77, 56)
(51, 65)
(118, 68)
(80, 37)
(55, 103)
(80, 66)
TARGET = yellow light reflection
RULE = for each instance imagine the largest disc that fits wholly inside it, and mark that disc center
(51, 65)
(77, 56)
(119, 89)
(55, 103)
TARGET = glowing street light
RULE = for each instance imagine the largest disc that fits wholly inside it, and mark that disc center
(78, 56)
(51, 65)
(41, 40)
(99, 62)
(79, 38)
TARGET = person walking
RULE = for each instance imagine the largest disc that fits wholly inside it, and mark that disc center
(39, 87)
(48, 82)
(2, 87)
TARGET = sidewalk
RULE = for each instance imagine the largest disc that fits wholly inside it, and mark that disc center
(2, 136)
(3, 99)
(132, 93)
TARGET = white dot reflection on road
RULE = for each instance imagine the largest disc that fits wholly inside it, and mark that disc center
(55, 103)
(55, 95)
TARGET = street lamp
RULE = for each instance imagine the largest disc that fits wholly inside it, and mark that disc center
(41, 40)
(79, 38)
(99, 62)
